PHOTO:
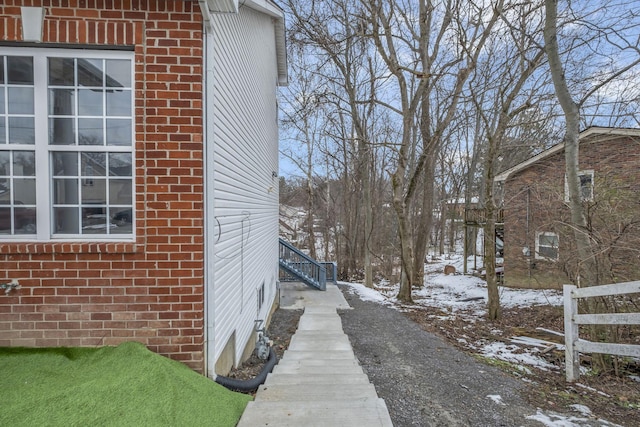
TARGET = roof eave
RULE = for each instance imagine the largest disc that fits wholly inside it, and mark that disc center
(589, 132)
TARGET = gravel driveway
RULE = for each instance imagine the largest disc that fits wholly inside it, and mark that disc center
(424, 380)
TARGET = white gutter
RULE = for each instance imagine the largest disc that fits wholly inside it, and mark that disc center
(208, 172)
(206, 18)
(221, 6)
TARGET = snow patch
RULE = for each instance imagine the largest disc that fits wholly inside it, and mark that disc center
(509, 353)
(586, 387)
(584, 410)
(497, 399)
(366, 294)
(556, 420)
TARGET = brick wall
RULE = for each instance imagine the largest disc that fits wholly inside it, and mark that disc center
(534, 202)
(76, 294)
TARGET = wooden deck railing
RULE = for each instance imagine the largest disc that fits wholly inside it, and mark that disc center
(478, 216)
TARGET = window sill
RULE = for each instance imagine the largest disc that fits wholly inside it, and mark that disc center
(15, 248)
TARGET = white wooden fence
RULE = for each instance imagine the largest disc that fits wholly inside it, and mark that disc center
(574, 345)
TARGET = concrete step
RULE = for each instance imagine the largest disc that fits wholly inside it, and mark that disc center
(329, 355)
(320, 309)
(311, 335)
(320, 345)
(330, 413)
(321, 322)
(312, 370)
(316, 379)
(319, 363)
(305, 392)
(319, 333)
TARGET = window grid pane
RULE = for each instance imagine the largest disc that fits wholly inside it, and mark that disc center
(78, 113)
(87, 199)
(92, 188)
(17, 193)
(95, 107)
(17, 107)
(17, 127)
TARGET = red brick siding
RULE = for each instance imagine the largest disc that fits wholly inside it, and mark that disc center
(77, 294)
(541, 186)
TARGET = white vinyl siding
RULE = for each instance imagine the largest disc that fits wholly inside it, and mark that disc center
(243, 145)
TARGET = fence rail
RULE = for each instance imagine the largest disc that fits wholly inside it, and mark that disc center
(574, 345)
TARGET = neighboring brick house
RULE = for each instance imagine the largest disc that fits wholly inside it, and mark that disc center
(538, 243)
(138, 174)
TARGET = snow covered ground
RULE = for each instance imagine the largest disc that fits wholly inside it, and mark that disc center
(465, 297)
(457, 295)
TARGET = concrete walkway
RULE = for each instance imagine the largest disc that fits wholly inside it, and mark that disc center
(318, 382)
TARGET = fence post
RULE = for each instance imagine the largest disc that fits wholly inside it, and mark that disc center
(572, 357)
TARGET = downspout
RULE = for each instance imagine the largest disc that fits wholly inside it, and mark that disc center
(208, 317)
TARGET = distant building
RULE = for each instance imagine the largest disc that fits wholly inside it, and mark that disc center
(538, 244)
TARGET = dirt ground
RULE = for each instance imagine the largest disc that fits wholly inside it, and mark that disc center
(616, 399)
(282, 327)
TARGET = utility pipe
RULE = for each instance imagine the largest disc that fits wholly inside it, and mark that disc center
(250, 385)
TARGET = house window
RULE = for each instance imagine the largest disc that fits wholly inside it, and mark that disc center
(586, 186)
(547, 246)
(66, 138)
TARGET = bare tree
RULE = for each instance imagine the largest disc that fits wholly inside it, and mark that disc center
(588, 272)
(302, 117)
(587, 275)
(336, 33)
(430, 63)
(500, 93)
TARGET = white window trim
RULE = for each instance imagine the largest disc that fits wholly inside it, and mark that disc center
(580, 173)
(44, 207)
(537, 249)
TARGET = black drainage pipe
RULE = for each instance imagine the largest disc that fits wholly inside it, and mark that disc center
(250, 385)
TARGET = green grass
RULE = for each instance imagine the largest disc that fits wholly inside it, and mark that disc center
(126, 385)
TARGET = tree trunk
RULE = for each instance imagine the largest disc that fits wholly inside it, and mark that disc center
(493, 296)
(587, 273)
(406, 250)
(312, 237)
(368, 215)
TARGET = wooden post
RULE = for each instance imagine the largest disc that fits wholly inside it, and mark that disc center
(466, 247)
(572, 357)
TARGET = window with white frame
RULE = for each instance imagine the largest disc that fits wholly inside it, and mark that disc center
(66, 144)
(547, 246)
(586, 186)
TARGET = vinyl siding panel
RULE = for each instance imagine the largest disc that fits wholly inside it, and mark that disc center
(245, 144)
